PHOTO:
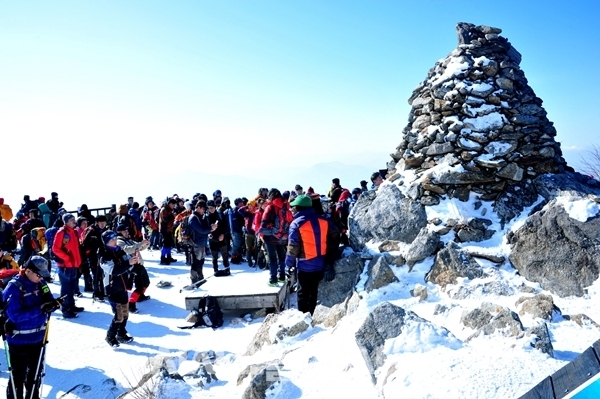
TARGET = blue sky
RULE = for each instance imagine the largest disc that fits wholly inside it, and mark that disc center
(246, 87)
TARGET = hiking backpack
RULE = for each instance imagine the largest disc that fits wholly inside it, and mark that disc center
(185, 233)
(209, 313)
(38, 240)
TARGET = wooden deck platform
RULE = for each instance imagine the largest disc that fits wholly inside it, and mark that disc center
(564, 381)
(246, 288)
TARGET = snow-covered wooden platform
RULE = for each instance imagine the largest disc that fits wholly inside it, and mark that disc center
(245, 288)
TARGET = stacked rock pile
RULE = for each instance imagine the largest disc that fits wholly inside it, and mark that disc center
(476, 115)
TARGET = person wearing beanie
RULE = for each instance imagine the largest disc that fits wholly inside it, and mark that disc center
(335, 190)
(29, 303)
(141, 281)
(116, 265)
(68, 259)
(311, 251)
(166, 226)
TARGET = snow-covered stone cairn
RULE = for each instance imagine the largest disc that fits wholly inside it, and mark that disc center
(476, 112)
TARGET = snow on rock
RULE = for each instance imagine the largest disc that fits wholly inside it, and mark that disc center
(581, 210)
(485, 123)
(456, 66)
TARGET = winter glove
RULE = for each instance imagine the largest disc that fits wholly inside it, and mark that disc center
(329, 273)
(49, 307)
(9, 327)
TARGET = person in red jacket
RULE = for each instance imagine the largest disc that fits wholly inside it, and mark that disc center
(68, 259)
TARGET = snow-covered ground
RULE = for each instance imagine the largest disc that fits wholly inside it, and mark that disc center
(326, 362)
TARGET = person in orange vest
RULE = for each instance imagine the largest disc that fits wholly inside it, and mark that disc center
(312, 248)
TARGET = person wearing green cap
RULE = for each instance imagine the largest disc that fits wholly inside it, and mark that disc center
(312, 249)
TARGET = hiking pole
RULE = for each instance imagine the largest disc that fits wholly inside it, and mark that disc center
(40, 371)
(10, 370)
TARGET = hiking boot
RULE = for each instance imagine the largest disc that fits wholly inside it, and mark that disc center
(133, 308)
(124, 339)
(77, 309)
(281, 277)
(273, 282)
(98, 297)
(250, 264)
(78, 294)
(143, 298)
(112, 341)
(164, 261)
(171, 260)
(69, 315)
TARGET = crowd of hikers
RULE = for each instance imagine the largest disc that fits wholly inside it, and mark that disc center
(294, 232)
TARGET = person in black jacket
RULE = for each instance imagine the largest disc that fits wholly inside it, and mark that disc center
(200, 228)
(92, 242)
(217, 239)
(116, 265)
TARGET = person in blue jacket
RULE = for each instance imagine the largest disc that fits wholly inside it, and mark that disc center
(28, 303)
(312, 248)
(200, 228)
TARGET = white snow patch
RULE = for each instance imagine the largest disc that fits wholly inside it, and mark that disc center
(481, 61)
(484, 123)
(454, 67)
(580, 210)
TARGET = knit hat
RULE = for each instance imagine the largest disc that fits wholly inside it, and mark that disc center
(107, 236)
(298, 187)
(202, 204)
(335, 181)
(101, 218)
(67, 216)
(211, 203)
(285, 194)
(121, 227)
(302, 201)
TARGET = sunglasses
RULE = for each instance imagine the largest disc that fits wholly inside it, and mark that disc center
(36, 273)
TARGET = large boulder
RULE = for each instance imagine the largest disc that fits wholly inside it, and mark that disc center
(502, 321)
(558, 252)
(347, 273)
(451, 263)
(387, 322)
(388, 216)
(277, 327)
(329, 316)
(539, 306)
(379, 273)
(424, 245)
(264, 377)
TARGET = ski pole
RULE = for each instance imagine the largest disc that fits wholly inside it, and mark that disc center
(10, 370)
(41, 366)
